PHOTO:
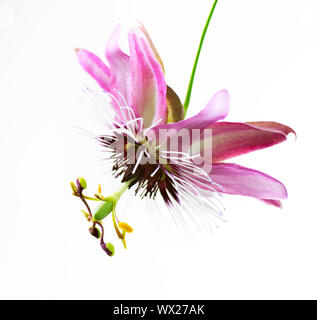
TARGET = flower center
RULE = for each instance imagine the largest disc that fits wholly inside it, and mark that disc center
(139, 160)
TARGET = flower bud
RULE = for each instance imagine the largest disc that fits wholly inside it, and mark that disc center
(95, 232)
(81, 183)
(103, 210)
(108, 248)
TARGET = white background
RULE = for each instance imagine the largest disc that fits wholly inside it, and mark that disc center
(263, 52)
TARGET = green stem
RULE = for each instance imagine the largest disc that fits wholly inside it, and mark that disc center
(191, 81)
(116, 196)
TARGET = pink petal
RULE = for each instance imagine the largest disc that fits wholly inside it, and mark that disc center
(95, 67)
(235, 179)
(272, 126)
(151, 44)
(231, 139)
(148, 85)
(119, 63)
(275, 203)
(216, 109)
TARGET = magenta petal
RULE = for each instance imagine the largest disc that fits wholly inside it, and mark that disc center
(95, 67)
(151, 44)
(272, 126)
(235, 179)
(231, 139)
(275, 203)
(119, 63)
(216, 109)
(148, 85)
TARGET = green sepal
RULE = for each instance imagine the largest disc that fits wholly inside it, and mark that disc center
(174, 106)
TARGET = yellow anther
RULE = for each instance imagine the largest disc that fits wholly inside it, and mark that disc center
(125, 227)
(99, 188)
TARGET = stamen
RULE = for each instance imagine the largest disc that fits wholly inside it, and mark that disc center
(125, 227)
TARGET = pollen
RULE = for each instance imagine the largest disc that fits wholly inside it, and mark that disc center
(125, 227)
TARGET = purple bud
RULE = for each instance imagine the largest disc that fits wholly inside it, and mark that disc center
(95, 232)
(81, 184)
(108, 248)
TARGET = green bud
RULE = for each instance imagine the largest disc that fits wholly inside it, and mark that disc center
(82, 182)
(110, 247)
(103, 210)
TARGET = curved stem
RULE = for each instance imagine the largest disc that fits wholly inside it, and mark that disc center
(86, 204)
(191, 80)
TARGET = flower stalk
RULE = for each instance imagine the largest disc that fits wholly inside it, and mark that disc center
(192, 76)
